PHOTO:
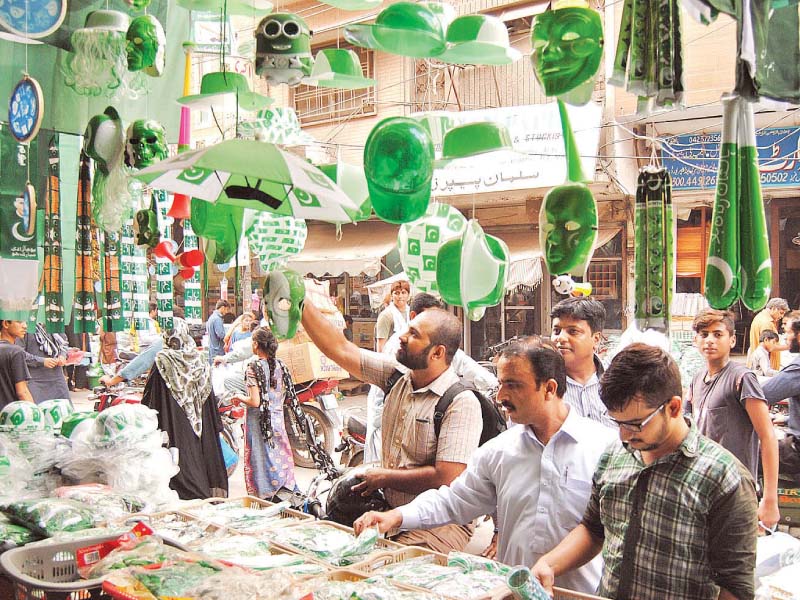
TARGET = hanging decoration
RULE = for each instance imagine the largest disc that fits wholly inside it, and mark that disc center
(475, 139)
(283, 49)
(398, 163)
(654, 269)
(567, 45)
(416, 30)
(224, 91)
(478, 40)
(146, 46)
(192, 295)
(739, 264)
(104, 142)
(419, 243)
(274, 240)
(25, 109)
(145, 143)
(218, 223)
(338, 68)
(649, 58)
(163, 265)
(83, 313)
(32, 18)
(279, 125)
(113, 318)
(98, 63)
(53, 271)
(353, 4)
(284, 295)
(566, 286)
(135, 292)
(568, 217)
(353, 182)
(471, 270)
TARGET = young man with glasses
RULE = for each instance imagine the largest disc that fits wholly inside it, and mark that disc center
(730, 408)
(673, 513)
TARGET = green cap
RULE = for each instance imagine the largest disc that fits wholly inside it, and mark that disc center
(338, 68)
(478, 40)
(220, 87)
(473, 139)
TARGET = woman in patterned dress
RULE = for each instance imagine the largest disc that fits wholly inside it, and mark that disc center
(268, 463)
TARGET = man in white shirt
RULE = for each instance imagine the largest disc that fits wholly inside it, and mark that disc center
(577, 332)
(537, 476)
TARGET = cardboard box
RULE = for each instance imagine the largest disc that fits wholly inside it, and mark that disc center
(305, 362)
(364, 334)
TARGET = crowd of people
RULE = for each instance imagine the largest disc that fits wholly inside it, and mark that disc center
(611, 478)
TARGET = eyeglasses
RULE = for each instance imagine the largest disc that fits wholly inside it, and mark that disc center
(637, 427)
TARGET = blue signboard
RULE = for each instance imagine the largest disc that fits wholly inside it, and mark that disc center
(692, 160)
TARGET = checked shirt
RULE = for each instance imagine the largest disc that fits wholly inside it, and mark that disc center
(678, 528)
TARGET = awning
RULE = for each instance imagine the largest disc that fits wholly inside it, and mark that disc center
(525, 255)
(360, 249)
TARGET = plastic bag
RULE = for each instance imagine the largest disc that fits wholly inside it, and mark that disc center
(782, 584)
(373, 588)
(241, 518)
(49, 516)
(775, 551)
(13, 535)
(104, 500)
(235, 584)
(139, 552)
(332, 545)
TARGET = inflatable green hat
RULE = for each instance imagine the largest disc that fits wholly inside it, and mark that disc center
(405, 28)
(398, 162)
(567, 45)
(284, 295)
(471, 270)
(478, 40)
(338, 68)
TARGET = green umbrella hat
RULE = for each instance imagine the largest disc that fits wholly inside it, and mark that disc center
(478, 40)
(338, 68)
(406, 29)
(398, 163)
(220, 89)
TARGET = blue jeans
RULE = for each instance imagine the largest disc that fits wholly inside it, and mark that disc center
(143, 362)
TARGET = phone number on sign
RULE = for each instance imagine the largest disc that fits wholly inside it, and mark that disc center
(710, 181)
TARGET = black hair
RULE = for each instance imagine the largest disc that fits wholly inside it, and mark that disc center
(544, 358)
(265, 341)
(711, 316)
(767, 336)
(422, 302)
(446, 332)
(348, 319)
(153, 306)
(582, 309)
(222, 304)
(796, 325)
(640, 371)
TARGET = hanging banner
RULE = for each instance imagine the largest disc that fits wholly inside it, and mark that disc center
(537, 160)
(693, 160)
(192, 304)
(53, 260)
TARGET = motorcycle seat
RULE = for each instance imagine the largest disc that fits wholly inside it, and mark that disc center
(357, 426)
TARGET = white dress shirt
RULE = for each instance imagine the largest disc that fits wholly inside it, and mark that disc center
(538, 492)
(585, 398)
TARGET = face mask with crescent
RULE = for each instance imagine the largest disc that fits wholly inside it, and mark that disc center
(284, 295)
(283, 49)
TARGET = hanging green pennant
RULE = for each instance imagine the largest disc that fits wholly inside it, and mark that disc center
(163, 265)
(113, 319)
(192, 298)
(53, 269)
(84, 316)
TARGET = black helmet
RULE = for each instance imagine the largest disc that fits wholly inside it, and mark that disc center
(345, 506)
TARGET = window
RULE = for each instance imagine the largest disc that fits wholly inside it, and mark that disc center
(321, 105)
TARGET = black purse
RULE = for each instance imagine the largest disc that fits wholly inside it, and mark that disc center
(264, 418)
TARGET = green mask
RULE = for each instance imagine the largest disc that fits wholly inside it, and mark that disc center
(146, 144)
(284, 296)
(146, 45)
(567, 45)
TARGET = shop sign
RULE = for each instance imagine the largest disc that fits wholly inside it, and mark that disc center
(692, 160)
(538, 157)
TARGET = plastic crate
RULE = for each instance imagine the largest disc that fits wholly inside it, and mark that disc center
(371, 565)
(50, 572)
(288, 516)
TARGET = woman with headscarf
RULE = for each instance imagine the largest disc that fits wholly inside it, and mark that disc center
(179, 388)
(45, 355)
(268, 463)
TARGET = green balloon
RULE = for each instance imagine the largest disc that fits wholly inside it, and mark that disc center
(722, 267)
(220, 223)
(567, 45)
(284, 295)
(398, 162)
(471, 270)
(754, 256)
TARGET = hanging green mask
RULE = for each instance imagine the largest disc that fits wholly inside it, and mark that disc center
(567, 45)
(146, 144)
(145, 228)
(284, 295)
(283, 49)
(146, 46)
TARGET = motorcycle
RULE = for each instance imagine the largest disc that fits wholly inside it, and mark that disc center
(319, 401)
(105, 397)
(230, 415)
(354, 437)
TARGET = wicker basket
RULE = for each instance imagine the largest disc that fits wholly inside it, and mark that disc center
(50, 572)
(288, 516)
(152, 519)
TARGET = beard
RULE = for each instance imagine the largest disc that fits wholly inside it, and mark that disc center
(413, 361)
(794, 345)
